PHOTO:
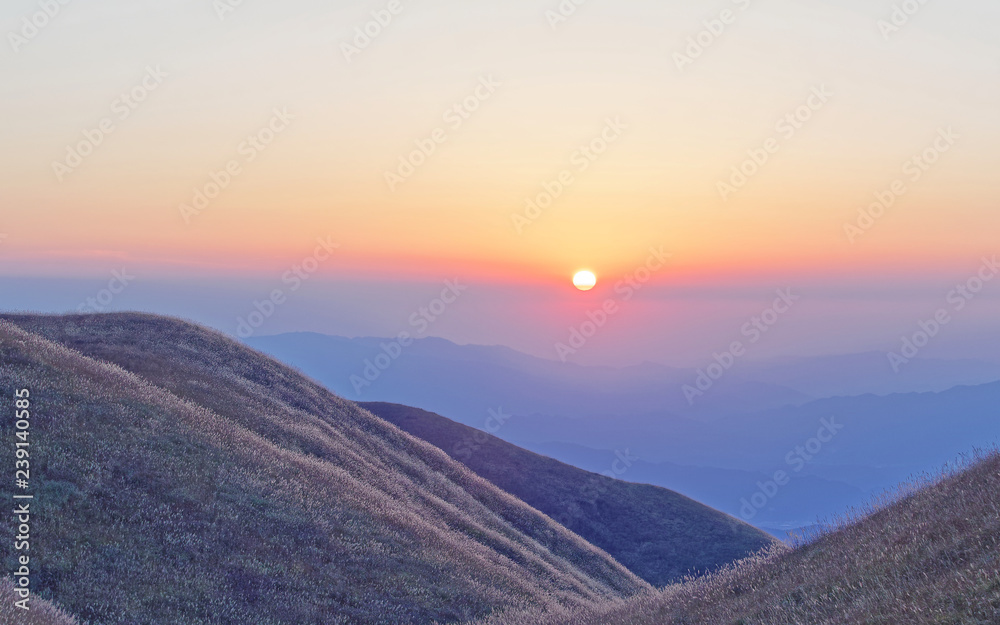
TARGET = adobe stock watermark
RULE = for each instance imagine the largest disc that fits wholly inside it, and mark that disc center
(900, 16)
(293, 279)
(955, 302)
(367, 33)
(454, 118)
(33, 24)
(248, 150)
(753, 331)
(913, 170)
(580, 161)
(597, 318)
(785, 129)
(119, 282)
(224, 8)
(463, 450)
(797, 459)
(420, 321)
(562, 12)
(122, 108)
(714, 28)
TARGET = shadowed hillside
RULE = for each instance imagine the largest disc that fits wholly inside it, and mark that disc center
(184, 478)
(930, 558)
(658, 534)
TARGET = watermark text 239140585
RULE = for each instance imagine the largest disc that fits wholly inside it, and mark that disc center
(22, 498)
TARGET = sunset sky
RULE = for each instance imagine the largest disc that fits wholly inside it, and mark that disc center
(905, 113)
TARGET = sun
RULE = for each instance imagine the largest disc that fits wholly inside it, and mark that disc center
(584, 280)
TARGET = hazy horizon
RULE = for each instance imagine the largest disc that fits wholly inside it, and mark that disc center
(816, 325)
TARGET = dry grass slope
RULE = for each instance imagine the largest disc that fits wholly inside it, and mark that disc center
(930, 558)
(188, 479)
(658, 534)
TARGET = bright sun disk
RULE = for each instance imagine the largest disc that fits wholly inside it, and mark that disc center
(584, 280)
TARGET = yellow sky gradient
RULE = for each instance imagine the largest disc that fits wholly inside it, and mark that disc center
(657, 184)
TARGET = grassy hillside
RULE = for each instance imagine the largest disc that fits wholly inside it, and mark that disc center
(658, 534)
(183, 478)
(932, 558)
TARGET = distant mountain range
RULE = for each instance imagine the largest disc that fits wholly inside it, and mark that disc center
(659, 535)
(799, 503)
(462, 380)
(746, 427)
